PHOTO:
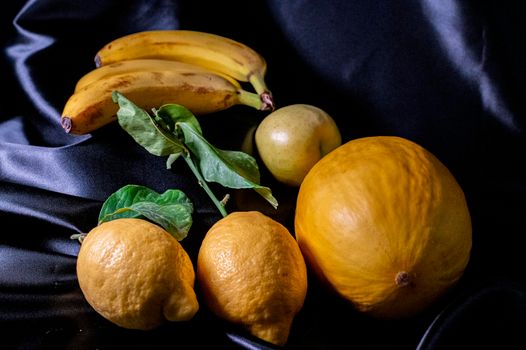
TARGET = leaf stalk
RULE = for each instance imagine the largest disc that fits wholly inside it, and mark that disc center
(204, 185)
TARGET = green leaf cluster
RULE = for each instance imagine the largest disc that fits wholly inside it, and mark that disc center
(174, 131)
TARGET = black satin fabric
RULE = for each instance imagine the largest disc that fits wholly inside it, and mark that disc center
(447, 74)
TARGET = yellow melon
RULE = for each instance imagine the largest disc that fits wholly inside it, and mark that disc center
(385, 224)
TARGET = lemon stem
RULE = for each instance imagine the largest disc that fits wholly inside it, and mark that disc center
(225, 199)
(79, 236)
(202, 182)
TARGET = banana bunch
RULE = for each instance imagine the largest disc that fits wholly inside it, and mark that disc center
(201, 71)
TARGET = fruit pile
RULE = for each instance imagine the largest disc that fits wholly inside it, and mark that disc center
(380, 220)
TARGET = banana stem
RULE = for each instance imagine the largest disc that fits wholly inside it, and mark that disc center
(258, 82)
(202, 182)
(268, 101)
(250, 99)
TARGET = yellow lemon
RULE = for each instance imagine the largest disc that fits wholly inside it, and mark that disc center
(251, 272)
(136, 274)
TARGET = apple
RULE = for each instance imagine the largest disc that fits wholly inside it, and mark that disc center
(292, 139)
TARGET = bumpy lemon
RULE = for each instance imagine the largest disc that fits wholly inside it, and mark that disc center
(252, 273)
(136, 274)
(385, 223)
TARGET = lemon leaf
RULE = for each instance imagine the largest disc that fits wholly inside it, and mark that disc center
(173, 131)
(233, 169)
(147, 131)
(172, 209)
(173, 113)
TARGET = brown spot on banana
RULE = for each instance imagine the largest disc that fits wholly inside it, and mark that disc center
(119, 83)
(157, 76)
(203, 90)
(228, 100)
(241, 63)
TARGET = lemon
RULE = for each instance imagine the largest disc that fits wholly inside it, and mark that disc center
(252, 273)
(136, 274)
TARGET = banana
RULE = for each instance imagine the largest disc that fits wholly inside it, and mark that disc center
(201, 92)
(136, 65)
(211, 51)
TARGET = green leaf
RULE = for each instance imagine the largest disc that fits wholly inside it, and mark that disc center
(229, 168)
(172, 209)
(145, 130)
(173, 113)
(171, 159)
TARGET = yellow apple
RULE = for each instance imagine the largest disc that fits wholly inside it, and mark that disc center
(292, 139)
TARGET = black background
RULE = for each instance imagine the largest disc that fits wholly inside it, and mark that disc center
(447, 74)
